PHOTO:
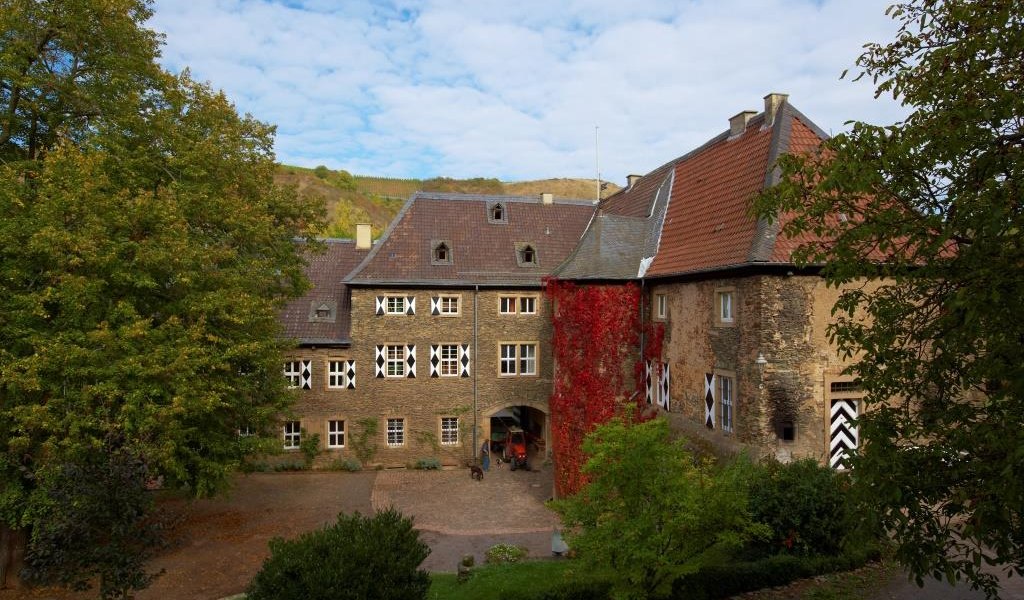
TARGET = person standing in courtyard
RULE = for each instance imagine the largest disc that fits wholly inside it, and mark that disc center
(485, 455)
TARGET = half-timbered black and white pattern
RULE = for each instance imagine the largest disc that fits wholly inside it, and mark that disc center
(842, 432)
(709, 400)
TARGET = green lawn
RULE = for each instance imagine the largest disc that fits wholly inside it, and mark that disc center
(501, 582)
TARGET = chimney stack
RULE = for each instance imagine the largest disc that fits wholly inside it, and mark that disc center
(632, 179)
(547, 198)
(738, 123)
(364, 237)
(772, 105)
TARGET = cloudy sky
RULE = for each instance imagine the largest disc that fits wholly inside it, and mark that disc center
(514, 88)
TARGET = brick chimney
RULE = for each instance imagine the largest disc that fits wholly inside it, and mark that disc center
(738, 123)
(547, 198)
(364, 236)
(772, 105)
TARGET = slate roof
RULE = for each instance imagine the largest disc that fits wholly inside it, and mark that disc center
(702, 225)
(326, 272)
(482, 252)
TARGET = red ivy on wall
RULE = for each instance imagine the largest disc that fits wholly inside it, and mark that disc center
(598, 368)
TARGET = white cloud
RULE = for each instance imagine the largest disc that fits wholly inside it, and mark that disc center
(514, 89)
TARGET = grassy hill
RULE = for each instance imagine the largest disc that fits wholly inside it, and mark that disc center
(352, 199)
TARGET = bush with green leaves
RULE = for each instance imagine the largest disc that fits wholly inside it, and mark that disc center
(428, 464)
(504, 553)
(804, 504)
(357, 558)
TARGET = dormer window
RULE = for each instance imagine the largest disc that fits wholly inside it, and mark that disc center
(526, 255)
(323, 311)
(497, 212)
(440, 252)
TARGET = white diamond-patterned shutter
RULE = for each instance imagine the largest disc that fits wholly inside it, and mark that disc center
(709, 400)
(306, 375)
(435, 305)
(410, 305)
(411, 361)
(842, 432)
(380, 305)
(663, 401)
(350, 374)
(647, 381)
(464, 360)
(435, 360)
(379, 362)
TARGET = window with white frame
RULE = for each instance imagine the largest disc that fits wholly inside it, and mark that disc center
(335, 434)
(660, 306)
(507, 305)
(337, 374)
(396, 432)
(449, 365)
(725, 312)
(292, 434)
(293, 373)
(448, 305)
(527, 305)
(449, 431)
(395, 305)
(726, 389)
(395, 361)
(518, 359)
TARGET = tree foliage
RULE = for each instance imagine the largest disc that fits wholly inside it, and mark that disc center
(922, 224)
(144, 254)
(650, 513)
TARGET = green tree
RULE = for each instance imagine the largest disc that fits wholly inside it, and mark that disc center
(650, 512)
(144, 254)
(921, 224)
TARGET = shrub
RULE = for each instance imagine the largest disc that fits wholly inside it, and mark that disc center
(309, 445)
(321, 171)
(345, 464)
(504, 553)
(428, 464)
(372, 558)
(804, 505)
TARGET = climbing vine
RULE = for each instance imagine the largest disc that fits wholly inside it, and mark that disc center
(596, 342)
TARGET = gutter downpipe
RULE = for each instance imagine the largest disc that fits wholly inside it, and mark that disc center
(476, 367)
(643, 298)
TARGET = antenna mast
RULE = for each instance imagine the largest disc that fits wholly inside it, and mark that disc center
(597, 160)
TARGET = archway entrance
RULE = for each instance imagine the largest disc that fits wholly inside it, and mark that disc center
(508, 427)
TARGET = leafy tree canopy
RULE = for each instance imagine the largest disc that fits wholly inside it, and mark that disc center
(922, 224)
(144, 253)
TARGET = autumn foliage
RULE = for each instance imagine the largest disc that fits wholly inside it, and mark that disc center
(597, 337)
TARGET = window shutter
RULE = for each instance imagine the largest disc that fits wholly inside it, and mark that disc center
(306, 379)
(380, 361)
(709, 400)
(647, 381)
(350, 374)
(664, 402)
(435, 359)
(464, 360)
(380, 305)
(410, 305)
(411, 361)
(843, 433)
(435, 305)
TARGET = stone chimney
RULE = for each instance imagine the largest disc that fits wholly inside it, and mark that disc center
(632, 179)
(364, 236)
(772, 105)
(738, 123)
(547, 198)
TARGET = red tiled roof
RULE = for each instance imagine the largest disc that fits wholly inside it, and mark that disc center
(326, 272)
(483, 252)
(802, 140)
(637, 199)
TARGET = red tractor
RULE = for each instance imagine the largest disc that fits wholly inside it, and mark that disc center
(514, 451)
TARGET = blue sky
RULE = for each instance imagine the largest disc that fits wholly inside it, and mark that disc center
(514, 89)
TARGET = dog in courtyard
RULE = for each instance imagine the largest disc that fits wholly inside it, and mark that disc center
(476, 472)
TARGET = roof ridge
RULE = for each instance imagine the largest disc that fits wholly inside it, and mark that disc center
(463, 197)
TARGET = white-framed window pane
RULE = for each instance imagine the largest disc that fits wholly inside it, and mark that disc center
(336, 377)
(508, 305)
(396, 432)
(396, 305)
(449, 305)
(449, 431)
(508, 359)
(527, 359)
(449, 360)
(662, 306)
(726, 306)
(336, 434)
(293, 373)
(528, 305)
(725, 392)
(292, 434)
(396, 361)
